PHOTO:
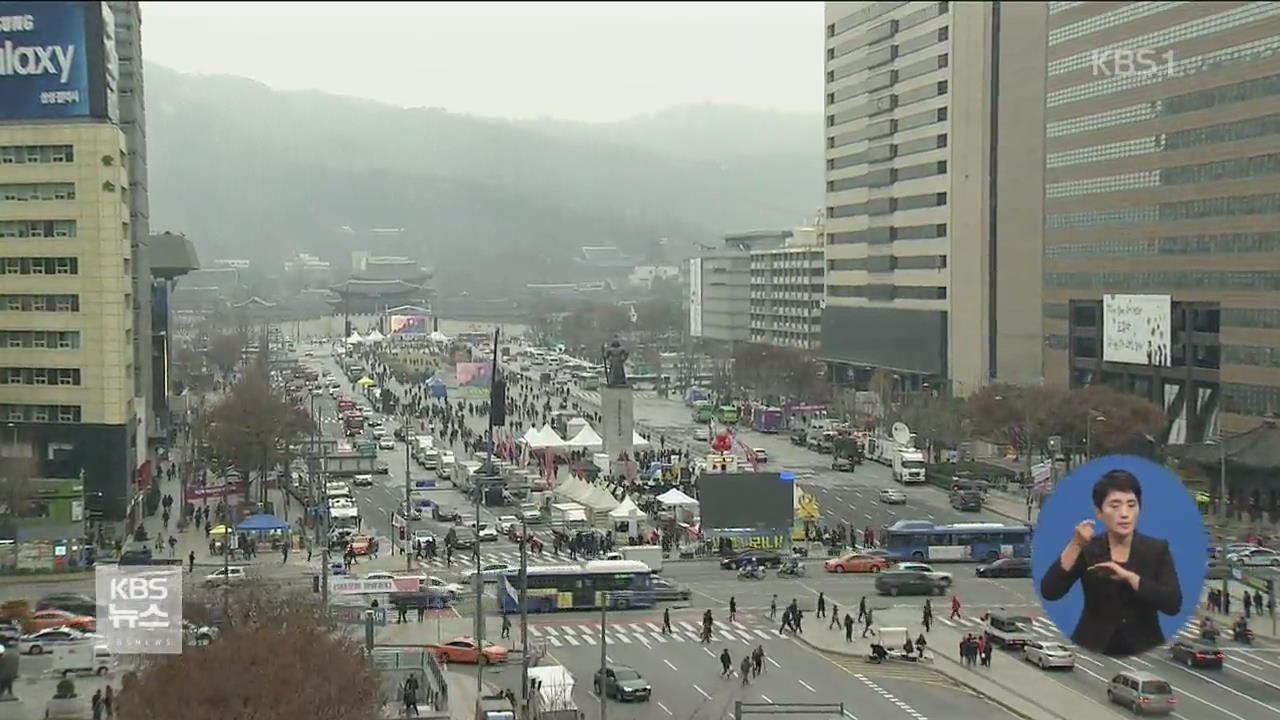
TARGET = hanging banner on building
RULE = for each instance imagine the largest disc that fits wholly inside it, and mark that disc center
(695, 297)
(57, 60)
(1137, 329)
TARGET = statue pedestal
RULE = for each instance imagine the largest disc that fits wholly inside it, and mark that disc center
(618, 425)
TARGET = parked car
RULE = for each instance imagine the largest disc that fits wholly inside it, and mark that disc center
(1047, 655)
(907, 582)
(664, 589)
(764, 558)
(467, 650)
(856, 562)
(1142, 692)
(1005, 568)
(621, 683)
(1195, 654)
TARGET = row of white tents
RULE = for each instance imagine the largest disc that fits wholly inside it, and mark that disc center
(599, 500)
(376, 337)
(587, 439)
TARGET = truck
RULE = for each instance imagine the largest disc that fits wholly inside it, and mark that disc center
(82, 658)
(908, 466)
(552, 697)
(568, 516)
(650, 555)
(349, 464)
(767, 420)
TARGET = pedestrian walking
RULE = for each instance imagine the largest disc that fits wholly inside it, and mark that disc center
(848, 627)
(867, 627)
(927, 616)
(822, 605)
(1248, 605)
(835, 617)
(745, 669)
(733, 608)
(284, 553)
(191, 562)
(506, 626)
(109, 702)
(96, 705)
(773, 608)
(862, 608)
(726, 664)
(757, 660)
(955, 607)
(666, 621)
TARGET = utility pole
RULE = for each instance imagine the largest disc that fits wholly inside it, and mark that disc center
(524, 618)
(478, 579)
(604, 653)
(408, 502)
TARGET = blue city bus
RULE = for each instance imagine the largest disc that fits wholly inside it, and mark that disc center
(622, 583)
(960, 542)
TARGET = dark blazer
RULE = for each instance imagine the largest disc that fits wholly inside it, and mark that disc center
(1116, 620)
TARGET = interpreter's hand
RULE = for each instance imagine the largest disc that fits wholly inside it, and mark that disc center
(1083, 533)
(1118, 572)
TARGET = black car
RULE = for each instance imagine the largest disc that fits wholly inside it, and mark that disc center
(69, 602)
(1005, 568)
(463, 538)
(765, 558)
(621, 683)
(909, 582)
(664, 589)
(841, 462)
(444, 514)
(381, 467)
(1195, 654)
(967, 501)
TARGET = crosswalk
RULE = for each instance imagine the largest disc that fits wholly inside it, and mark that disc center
(648, 634)
(593, 396)
(1045, 629)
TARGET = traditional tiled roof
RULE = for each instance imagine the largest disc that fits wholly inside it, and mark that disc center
(1256, 449)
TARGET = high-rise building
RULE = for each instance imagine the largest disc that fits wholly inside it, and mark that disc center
(719, 280)
(934, 145)
(75, 341)
(1162, 207)
(786, 292)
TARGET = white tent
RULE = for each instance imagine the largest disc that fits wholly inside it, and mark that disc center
(355, 338)
(586, 438)
(637, 441)
(675, 498)
(627, 510)
(599, 499)
(571, 488)
(530, 436)
(438, 337)
(545, 437)
(375, 336)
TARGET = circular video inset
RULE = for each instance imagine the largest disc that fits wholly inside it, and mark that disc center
(1119, 555)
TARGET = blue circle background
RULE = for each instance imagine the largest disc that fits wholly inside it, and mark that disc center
(1168, 512)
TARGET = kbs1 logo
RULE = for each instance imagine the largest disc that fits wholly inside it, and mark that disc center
(1118, 62)
(143, 608)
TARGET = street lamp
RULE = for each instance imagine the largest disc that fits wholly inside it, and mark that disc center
(1094, 416)
(1221, 442)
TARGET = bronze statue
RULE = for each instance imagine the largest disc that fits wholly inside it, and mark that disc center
(614, 359)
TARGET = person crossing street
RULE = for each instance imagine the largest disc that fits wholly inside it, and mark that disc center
(666, 621)
(733, 608)
(835, 617)
(822, 604)
(726, 664)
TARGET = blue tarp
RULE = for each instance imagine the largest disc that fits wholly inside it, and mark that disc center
(262, 522)
(437, 388)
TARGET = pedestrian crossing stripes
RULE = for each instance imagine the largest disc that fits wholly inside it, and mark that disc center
(905, 672)
(463, 559)
(1045, 629)
(593, 396)
(645, 633)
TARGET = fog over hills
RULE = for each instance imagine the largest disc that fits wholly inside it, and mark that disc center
(247, 171)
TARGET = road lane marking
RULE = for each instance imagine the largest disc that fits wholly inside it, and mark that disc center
(1233, 691)
(643, 641)
(766, 699)
(608, 659)
(571, 640)
(704, 694)
(673, 667)
(664, 709)
(867, 515)
(851, 507)
(807, 686)
(555, 641)
(707, 651)
(773, 662)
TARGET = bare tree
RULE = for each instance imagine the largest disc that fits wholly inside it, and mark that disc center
(15, 486)
(277, 658)
(252, 427)
(225, 350)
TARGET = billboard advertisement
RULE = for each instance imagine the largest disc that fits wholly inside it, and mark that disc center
(474, 374)
(695, 297)
(751, 509)
(410, 325)
(44, 60)
(1137, 329)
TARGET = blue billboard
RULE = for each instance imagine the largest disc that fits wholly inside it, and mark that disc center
(44, 60)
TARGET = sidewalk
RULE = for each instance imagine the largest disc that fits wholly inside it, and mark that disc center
(1010, 683)
(1265, 627)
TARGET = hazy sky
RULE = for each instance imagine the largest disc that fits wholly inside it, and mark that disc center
(583, 61)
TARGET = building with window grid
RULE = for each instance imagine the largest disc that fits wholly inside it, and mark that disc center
(1163, 178)
(934, 161)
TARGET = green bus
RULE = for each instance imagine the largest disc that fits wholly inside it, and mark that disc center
(704, 411)
(727, 414)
